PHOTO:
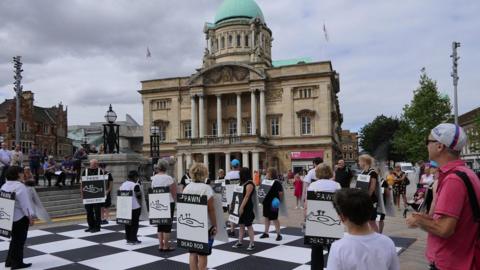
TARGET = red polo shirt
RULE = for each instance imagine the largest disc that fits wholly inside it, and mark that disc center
(456, 251)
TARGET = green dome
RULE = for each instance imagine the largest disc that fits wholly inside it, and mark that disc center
(231, 9)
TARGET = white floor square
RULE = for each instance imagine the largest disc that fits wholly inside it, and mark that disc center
(398, 249)
(119, 261)
(218, 257)
(304, 267)
(46, 261)
(81, 233)
(271, 240)
(110, 223)
(147, 231)
(287, 253)
(62, 245)
(261, 228)
(35, 233)
(4, 245)
(122, 244)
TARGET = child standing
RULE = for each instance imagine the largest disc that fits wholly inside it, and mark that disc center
(131, 230)
(361, 247)
(298, 187)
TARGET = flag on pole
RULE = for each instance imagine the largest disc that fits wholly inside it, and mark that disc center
(325, 33)
(149, 54)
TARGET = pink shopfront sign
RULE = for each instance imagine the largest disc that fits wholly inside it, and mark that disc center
(306, 154)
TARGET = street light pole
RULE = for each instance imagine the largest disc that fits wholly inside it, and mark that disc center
(455, 77)
(18, 90)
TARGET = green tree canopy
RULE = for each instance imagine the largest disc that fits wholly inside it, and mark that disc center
(427, 109)
(376, 138)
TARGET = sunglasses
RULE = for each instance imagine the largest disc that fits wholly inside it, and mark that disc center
(428, 141)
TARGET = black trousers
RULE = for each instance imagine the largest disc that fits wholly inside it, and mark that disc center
(19, 236)
(317, 262)
(35, 168)
(48, 177)
(132, 230)
(94, 216)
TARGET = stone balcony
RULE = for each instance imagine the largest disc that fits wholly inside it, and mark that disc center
(224, 140)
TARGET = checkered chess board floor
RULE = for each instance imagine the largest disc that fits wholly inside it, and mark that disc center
(69, 247)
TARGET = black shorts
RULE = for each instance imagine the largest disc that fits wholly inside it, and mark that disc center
(269, 213)
(382, 216)
(108, 201)
(201, 253)
(167, 228)
(374, 214)
(247, 219)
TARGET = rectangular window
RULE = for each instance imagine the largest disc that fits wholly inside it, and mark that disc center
(230, 41)
(222, 42)
(162, 132)
(46, 129)
(187, 130)
(214, 128)
(24, 127)
(248, 126)
(274, 126)
(247, 43)
(239, 40)
(232, 127)
(306, 128)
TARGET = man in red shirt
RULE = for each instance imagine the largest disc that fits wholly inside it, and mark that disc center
(453, 233)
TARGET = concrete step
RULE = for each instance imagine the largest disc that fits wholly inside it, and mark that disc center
(60, 202)
(67, 212)
(46, 199)
(79, 204)
(46, 193)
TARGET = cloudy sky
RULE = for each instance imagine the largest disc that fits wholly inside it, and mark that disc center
(89, 53)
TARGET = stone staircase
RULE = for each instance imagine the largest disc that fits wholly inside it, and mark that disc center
(61, 202)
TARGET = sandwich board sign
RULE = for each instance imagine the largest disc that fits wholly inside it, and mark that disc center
(363, 181)
(264, 189)
(322, 226)
(229, 187)
(124, 207)
(7, 206)
(235, 204)
(94, 188)
(192, 222)
(159, 205)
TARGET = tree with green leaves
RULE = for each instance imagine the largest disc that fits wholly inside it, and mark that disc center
(427, 109)
(376, 138)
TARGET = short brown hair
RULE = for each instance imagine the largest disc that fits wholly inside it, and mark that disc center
(198, 172)
(273, 173)
(323, 171)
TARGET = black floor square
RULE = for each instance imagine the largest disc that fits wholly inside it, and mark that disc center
(27, 253)
(64, 228)
(73, 266)
(292, 231)
(45, 239)
(155, 252)
(163, 264)
(259, 247)
(87, 253)
(105, 238)
(253, 262)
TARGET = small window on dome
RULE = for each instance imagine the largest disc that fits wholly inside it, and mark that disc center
(247, 43)
(222, 43)
(239, 41)
(230, 41)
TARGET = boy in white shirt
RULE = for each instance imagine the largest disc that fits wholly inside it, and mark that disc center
(361, 248)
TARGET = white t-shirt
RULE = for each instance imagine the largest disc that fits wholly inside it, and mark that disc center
(162, 180)
(324, 185)
(129, 185)
(427, 179)
(310, 175)
(232, 175)
(363, 252)
(199, 189)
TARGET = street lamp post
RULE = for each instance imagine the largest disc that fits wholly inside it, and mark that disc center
(111, 138)
(154, 144)
(455, 77)
(18, 90)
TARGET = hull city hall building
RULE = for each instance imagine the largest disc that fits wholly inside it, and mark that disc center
(241, 104)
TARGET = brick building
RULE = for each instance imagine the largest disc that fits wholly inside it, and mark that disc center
(349, 147)
(45, 126)
(470, 153)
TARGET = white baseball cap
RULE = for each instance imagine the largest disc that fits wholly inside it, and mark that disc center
(450, 135)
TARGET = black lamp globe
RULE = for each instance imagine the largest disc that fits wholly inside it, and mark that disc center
(110, 115)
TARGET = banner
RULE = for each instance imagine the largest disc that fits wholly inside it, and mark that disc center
(235, 204)
(363, 181)
(322, 226)
(7, 206)
(264, 189)
(159, 205)
(124, 207)
(94, 188)
(192, 222)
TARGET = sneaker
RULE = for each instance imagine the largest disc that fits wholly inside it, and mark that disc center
(251, 247)
(279, 238)
(88, 230)
(237, 245)
(94, 230)
(21, 266)
(264, 235)
(130, 243)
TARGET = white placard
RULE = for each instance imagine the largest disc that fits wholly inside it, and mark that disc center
(235, 204)
(192, 222)
(264, 189)
(322, 226)
(124, 207)
(159, 206)
(363, 181)
(7, 208)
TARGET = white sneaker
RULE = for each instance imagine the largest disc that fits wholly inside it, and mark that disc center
(296, 207)
(251, 247)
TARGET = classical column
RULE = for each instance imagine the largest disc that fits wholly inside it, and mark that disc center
(188, 159)
(239, 114)
(205, 159)
(227, 162)
(201, 114)
(194, 116)
(180, 170)
(255, 161)
(253, 105)
(219, 116)
(263, 114)
(245, 160)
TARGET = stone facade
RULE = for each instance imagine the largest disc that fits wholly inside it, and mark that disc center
(470, 153)
(349, 147)
(45, 126)
(239, 105)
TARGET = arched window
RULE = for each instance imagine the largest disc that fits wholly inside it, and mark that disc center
(239, 41)
(216, 44)
(247, 43)
(230, 41)
(222, 43)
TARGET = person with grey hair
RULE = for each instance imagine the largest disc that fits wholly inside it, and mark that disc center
(5, 159)
(454, 227)
(162, 179)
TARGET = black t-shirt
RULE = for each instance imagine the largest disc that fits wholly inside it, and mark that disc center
(273, 193)
(373, 175)
(183, 181)
(343, 177)
(249, 205)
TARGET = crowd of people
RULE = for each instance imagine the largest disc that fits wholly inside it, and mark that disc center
(445, 205)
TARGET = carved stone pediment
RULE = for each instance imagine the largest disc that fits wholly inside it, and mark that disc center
(226, 74)
(273, 95)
